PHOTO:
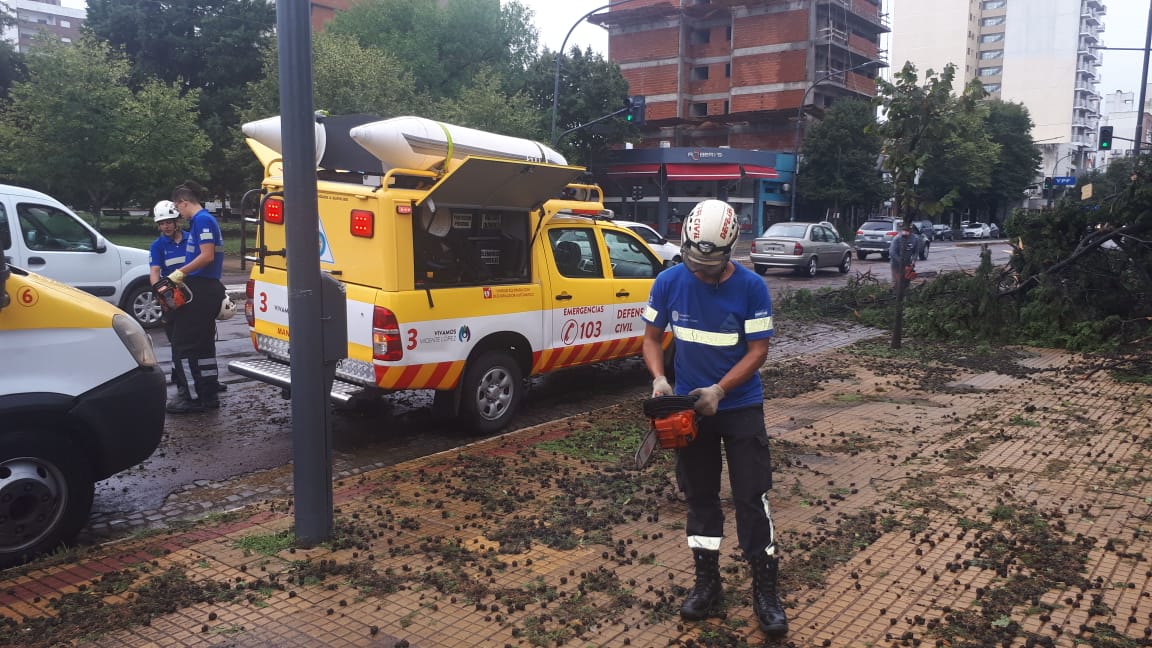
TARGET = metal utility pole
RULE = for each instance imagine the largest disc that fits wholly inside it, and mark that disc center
(1143, 87)
(311, 430)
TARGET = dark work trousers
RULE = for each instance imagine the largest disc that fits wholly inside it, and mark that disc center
(194, 340)
(698, 470)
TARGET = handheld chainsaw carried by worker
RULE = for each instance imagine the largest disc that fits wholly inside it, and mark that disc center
(672, 425)
(170, 294)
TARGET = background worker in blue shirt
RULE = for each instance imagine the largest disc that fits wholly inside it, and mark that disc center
(721, 318)
(165, 255)
(194, 325)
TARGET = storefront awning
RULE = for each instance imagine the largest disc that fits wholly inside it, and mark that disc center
(703, 171)
(753, 171)
(633, 169)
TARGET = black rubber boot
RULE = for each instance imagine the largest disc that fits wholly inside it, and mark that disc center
(708, 590)
(180, 405)
(765, 600)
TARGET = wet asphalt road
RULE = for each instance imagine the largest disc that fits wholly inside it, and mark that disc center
(252, 430)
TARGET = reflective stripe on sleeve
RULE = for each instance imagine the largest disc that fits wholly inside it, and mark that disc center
(707, 338)
(206, 236)
(650, 314)
(758, 325)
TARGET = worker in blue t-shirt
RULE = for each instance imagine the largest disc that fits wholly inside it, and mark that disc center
(720, 314)
(194, 325)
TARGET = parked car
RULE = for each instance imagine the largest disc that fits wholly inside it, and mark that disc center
(875, 236)
(941, 232)
(976, 230)
(38, 233)
(803, 247)
(663, 248)
(993, 230)
(927, 229)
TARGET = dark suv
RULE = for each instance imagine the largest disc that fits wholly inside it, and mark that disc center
(875, 236)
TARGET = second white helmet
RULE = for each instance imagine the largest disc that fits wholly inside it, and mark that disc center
(164, 210)
(227, 309)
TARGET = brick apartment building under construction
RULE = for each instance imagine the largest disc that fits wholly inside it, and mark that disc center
(725, 81)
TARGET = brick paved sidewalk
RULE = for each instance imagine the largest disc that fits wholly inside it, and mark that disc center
(960, 504)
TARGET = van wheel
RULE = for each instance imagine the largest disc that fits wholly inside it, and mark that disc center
(861, 255)
(45, 495)
(493, 388)
(760, 268)
(846, 264)
(142, 305)
(924, 252)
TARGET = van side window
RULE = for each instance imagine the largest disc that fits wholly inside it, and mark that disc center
(630, 257)
(576, 253)
(5, 233)
(46, 228)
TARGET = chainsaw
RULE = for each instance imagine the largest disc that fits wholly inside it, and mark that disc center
(170, 294)
(672, 425)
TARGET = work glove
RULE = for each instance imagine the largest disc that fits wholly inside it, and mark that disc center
(707, 399)
(177, 277)
(660, 387)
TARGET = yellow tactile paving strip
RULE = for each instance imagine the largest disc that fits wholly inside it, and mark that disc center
(907, 516)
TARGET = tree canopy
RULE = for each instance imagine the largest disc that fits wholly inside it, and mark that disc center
(77, 130)
(445, 44)
(841, 152)
(212, 46)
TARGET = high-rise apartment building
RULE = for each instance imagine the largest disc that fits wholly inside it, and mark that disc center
(1040, 53)
(32, 17)
(725, 82)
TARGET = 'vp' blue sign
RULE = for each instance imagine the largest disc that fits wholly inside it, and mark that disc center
(1064, 181)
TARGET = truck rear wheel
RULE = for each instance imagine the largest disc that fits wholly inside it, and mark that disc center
(45, 495)
(492, 390)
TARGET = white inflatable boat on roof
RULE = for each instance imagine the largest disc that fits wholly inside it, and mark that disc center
(419, 143)
(414, 142)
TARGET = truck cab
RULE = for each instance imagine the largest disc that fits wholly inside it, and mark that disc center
(463, 276)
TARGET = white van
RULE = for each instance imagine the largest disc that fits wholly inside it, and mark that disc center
(40, 234)
(81, 399)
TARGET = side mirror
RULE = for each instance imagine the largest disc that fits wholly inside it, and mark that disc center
(101, 245)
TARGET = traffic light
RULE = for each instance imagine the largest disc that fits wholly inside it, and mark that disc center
(1105, 140)
(637, 192)
(1047, 183)
(635, 114)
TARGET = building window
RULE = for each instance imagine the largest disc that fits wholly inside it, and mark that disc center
(728, 32)
(990, 71)
(700, 109)
(700, 73)
(727, 70)
(65, 40)
(992, 22)
(991, 88)
(992, 38)
(726, 107)
(993, 4)
(65, 23)
(700, 37)
(991, 54)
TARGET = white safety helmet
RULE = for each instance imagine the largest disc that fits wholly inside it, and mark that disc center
(707, 236)
(164, 210)
(227, 309)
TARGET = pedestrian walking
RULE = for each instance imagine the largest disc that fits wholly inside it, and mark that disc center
(721, 318)
(194, 325)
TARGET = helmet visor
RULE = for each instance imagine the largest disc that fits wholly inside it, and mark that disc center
(708, 263)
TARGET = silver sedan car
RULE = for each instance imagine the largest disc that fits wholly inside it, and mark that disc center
(803, 247)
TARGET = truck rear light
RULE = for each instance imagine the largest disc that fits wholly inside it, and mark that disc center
(385, 336)
(797, 249)
(274, 212)
(249, 308)
(362, 223)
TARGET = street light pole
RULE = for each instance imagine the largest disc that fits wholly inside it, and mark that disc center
(560, 53)
(1052, 191)
(799, 123)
